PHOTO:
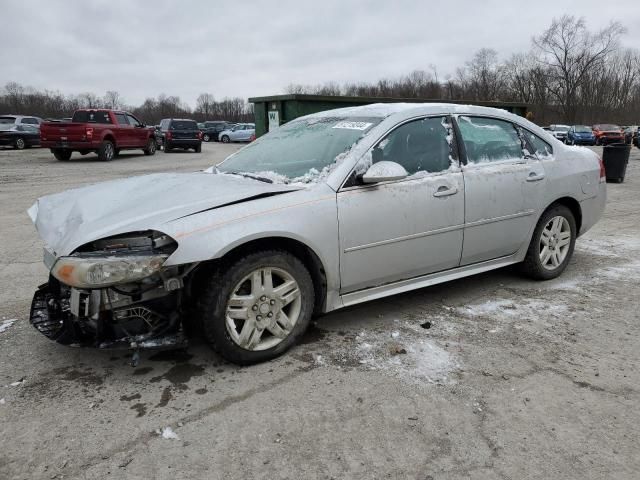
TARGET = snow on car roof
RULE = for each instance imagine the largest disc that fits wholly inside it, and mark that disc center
(387, 109)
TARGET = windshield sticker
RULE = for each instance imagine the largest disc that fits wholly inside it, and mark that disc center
(353, 125)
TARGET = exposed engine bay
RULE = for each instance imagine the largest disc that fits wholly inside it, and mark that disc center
(114, 293)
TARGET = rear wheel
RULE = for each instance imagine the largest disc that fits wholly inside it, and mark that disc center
(61, 155)
(198, 149)
(106, 152)
(552, 244)
(19, 143)
(167, 147)
(225, 139)
(257, 307)
(150, 149)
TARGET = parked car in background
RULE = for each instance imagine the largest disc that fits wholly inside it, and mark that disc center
(630, 134)
(19, 120)
(102, 131)
(241, 132)
(212, 129)
(559, 131)
(290, 227)
(607, 133)
(200, 125)
(181, 133)
(19, 136)
(159, 136)
(580, 135)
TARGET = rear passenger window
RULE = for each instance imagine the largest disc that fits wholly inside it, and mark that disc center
(419, 146)
(122, 119)
(489, 139)
(537, 145)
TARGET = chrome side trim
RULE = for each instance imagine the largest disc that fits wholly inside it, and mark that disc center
(406, 237)
(425, 280)
(439, 230)
(526, 213)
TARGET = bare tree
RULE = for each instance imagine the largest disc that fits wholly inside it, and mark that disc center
(571, 52)
(112, 99)
(204, 105)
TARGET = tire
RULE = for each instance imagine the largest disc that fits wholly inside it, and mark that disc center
(545, 265)
(19, 143)
(265, 308)
(62, 155)
(198, 149)
(225, 139)
(106, 152)
(167, 147)
(151, 147)
(206, 137)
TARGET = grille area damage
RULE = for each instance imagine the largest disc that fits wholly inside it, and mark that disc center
(143, 314)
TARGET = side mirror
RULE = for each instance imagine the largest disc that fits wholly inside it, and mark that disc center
(384, 171)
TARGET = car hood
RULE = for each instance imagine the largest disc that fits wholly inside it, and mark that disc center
(70, 219)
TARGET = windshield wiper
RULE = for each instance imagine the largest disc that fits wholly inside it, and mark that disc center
(248, 175)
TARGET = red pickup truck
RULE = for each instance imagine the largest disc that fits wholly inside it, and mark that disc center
(102, 131)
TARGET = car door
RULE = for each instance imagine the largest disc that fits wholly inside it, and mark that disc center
(236, 133)
(125, 130)
(139, 134)
(401, 229)
(503, 188)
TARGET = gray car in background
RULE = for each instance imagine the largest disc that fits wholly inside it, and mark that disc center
(241, 132)
(327, 211)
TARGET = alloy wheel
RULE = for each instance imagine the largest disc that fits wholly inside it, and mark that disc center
(20, 143)
(555, 242)
(263, 309)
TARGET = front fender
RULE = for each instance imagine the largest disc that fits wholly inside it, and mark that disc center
(308, 216)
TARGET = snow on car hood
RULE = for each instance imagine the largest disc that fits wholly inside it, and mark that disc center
(67, 220)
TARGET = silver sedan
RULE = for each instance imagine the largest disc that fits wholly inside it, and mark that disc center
(329, 210)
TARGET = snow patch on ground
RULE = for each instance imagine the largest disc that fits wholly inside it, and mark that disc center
(5, 324)
(529, 308)
(406, 354)
(169, 434)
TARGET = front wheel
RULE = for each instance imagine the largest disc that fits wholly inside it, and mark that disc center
(225, 139)
(552, 244)
(206, 137)
(19, 143)
(258, 307)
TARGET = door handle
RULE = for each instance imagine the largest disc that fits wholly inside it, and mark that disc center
(535, 177)
(444, 191)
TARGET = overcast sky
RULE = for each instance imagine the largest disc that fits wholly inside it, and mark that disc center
(248, 48)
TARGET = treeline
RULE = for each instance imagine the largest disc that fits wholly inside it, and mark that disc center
(19, 99)
(570, 75)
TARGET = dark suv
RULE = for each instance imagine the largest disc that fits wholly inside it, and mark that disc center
(180, 133)
(211, 130)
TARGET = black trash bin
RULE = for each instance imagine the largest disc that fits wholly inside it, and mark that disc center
(615, 158)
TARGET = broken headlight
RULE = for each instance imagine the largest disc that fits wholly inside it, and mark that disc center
(99, 272)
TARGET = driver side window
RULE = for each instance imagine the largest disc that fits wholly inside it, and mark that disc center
(419, 146)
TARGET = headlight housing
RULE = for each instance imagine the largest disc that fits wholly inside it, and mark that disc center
(101, 272)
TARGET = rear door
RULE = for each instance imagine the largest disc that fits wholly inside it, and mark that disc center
(125, 130)
(397, 230)
(139, 133)
(503, 188)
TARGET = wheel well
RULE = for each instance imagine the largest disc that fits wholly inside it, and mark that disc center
(305, 254)
(573, 205)
(110, 138)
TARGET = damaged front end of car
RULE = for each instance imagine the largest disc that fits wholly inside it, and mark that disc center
(114, 293)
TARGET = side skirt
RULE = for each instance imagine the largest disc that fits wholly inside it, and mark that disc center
(402, 286)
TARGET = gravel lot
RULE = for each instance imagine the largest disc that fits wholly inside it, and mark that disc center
(512, 379)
